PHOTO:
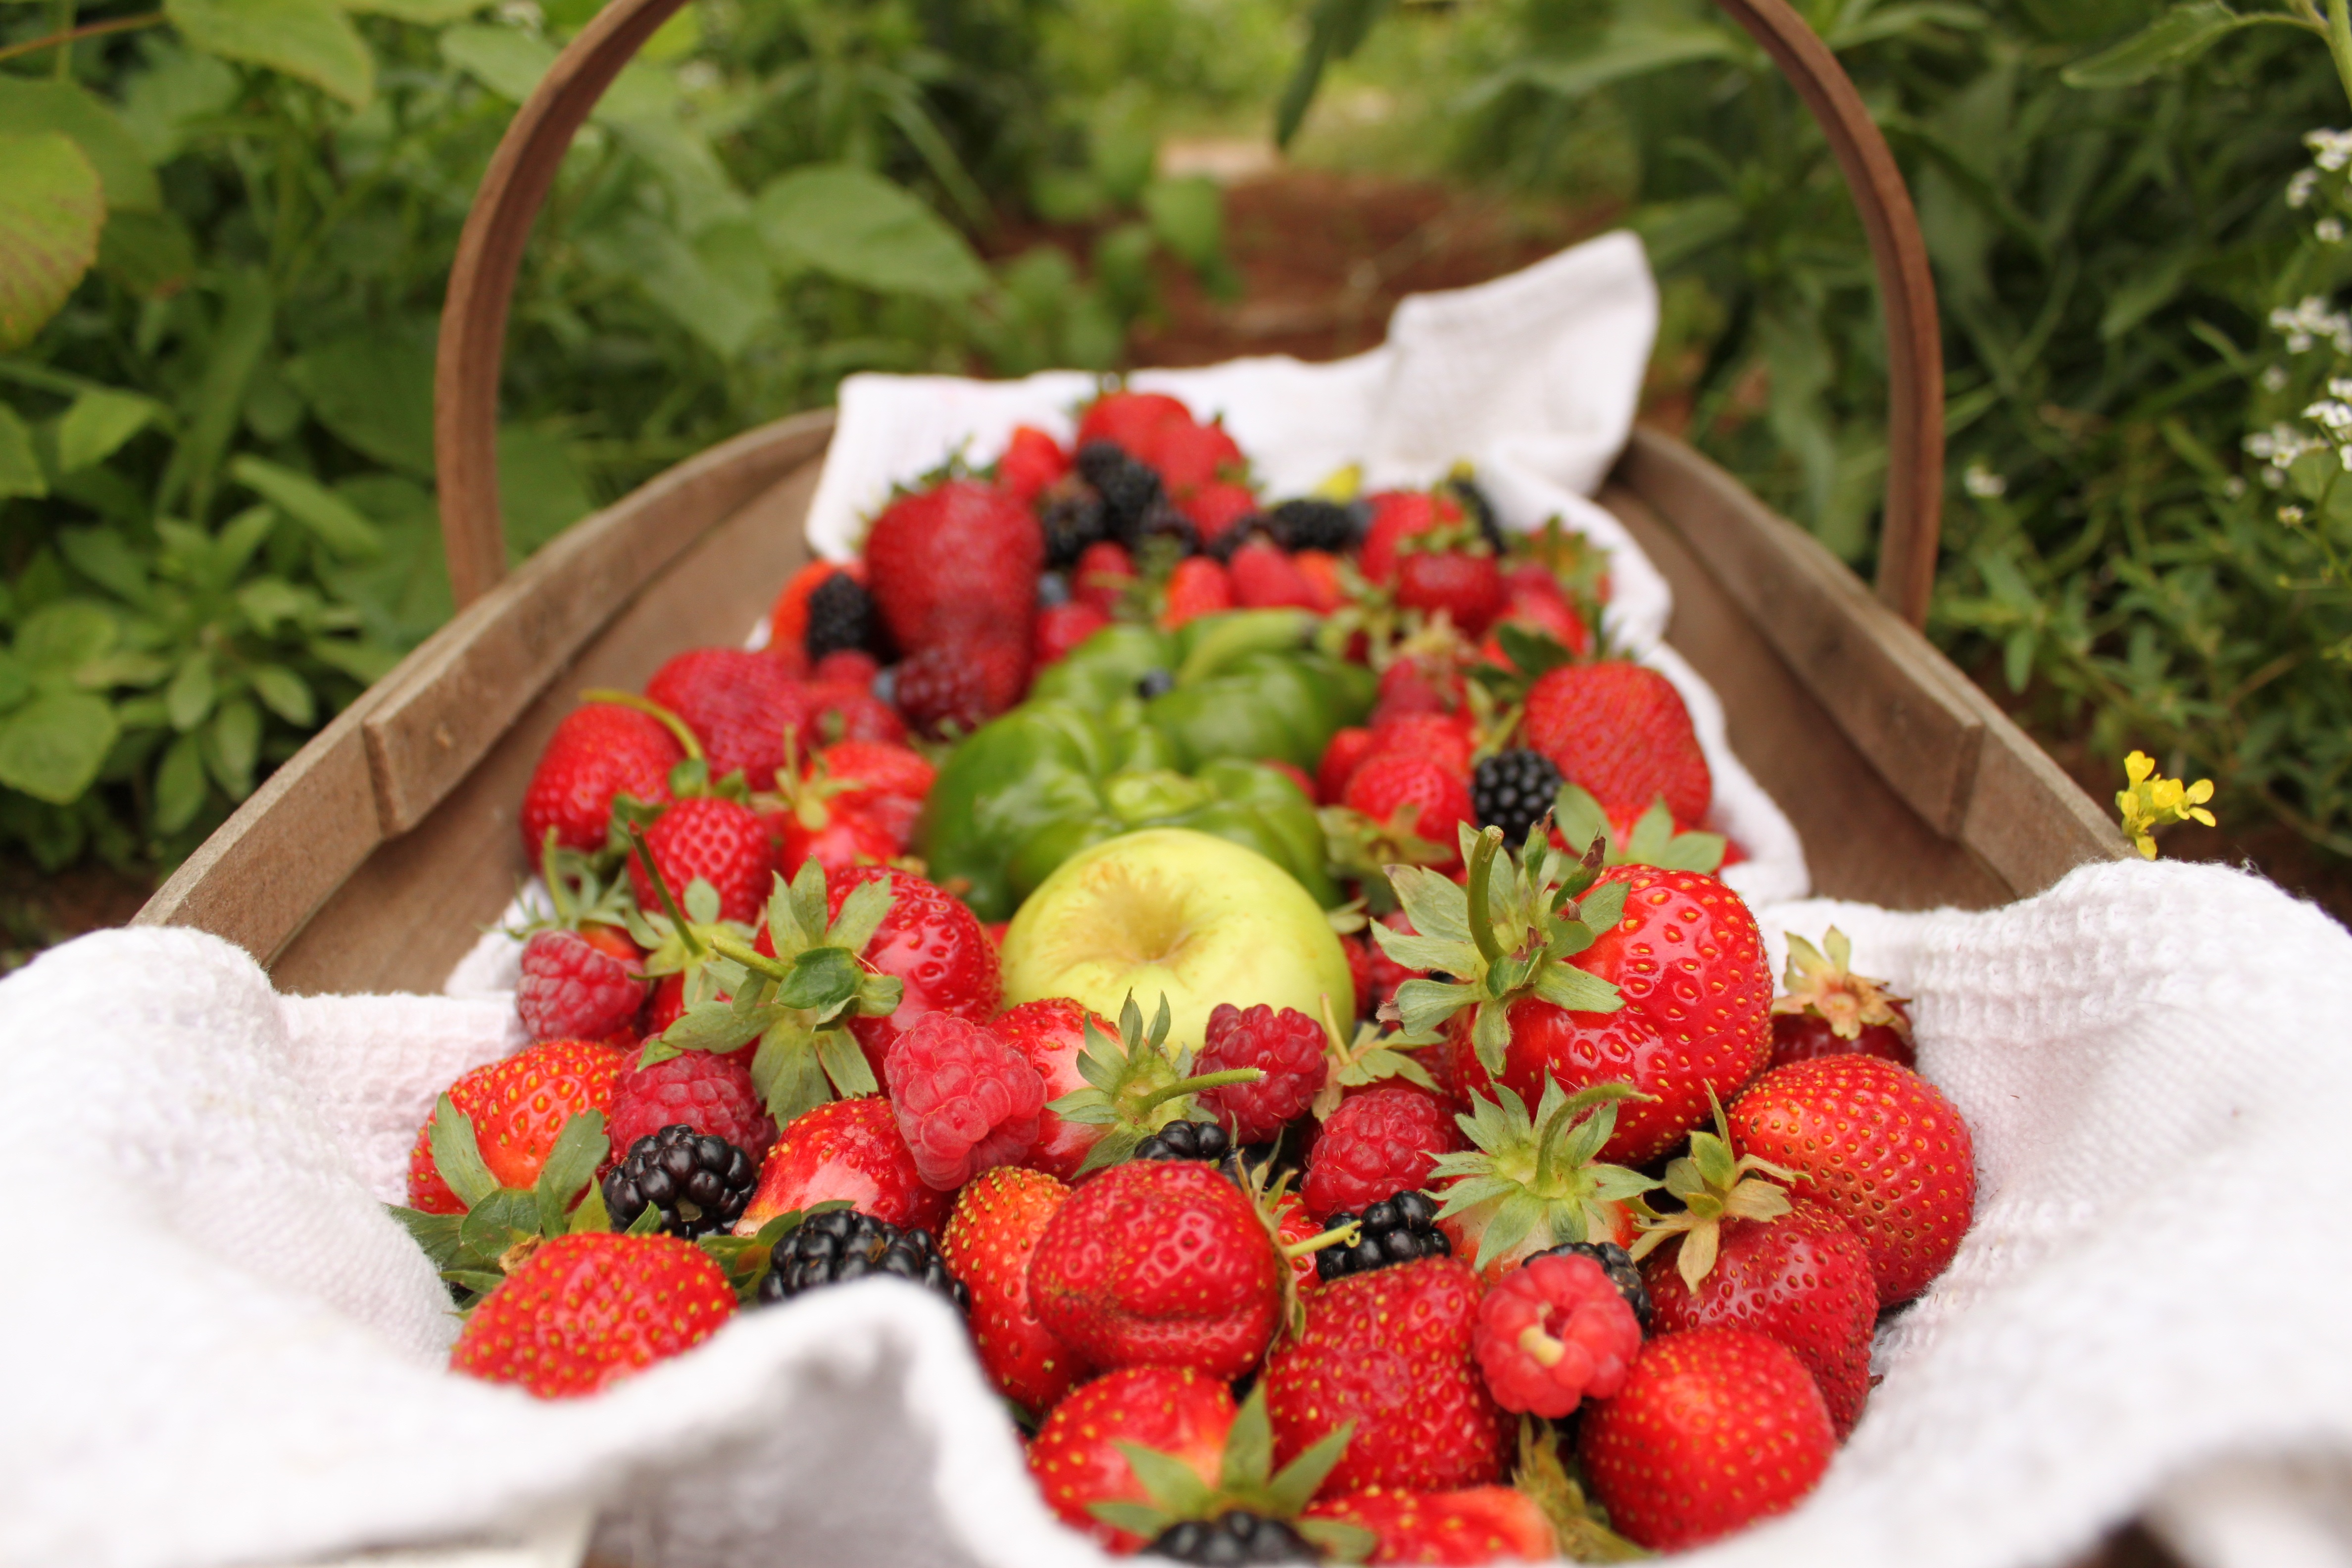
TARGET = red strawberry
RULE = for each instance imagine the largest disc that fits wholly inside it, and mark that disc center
(1198, 587)
(1287, 1046)
(1292, 1226)
(1102, 575)
(1474, 1525)
(1398, 515)
(1341, 758)
(1389, 1351)
(1321, 571)
(1535, 1180)
(844, 1149)
(1715, 1429)
(1448, 738)
(1062, 629)
(954, 688)
(575, 986)
(1465, 587)
(1375, 1145)
(1051, 1033)
(868, 771)
(583, 1312)
(788, 620)
(1554, 1332)
(988, 1243)
(1216, 509)
(738, 704)
(715, 839)
(598, 751)
(961, 554)
(966, 1102)
(843, 838)
(1414, 685)
(1128, 419)
(1076, 1456)
(837, 711)
(1542, 611)
(1160, 1261)
(932, 941)
(1387, 975)
(1879, 1145)
(1829, 1011)
(710, 1093)
(1191, 456)
(1264, 578)
(518, 1107)
(1802, 1278)
(1620, 730)
(1032, 461)
(1407, 793)
(1688, 966)
(850, 666)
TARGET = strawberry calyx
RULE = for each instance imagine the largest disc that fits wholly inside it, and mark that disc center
(1135, 1086)
(1539, 1176)
(1654, 841)
(577, 896)
(1579, 1526)
(1359, 849)
(1371, 1055)
(504, 1226)
(1247, 1482)
(1826, 986)
(1506, 937)
(1712, 1187)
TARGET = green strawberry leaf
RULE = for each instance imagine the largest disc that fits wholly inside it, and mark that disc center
(570, 1166)
(1564, 985)
(863, 909)
(647, 1222)
(1135, 1518)
(844, 1063)
(456, 1156)
(823, 980)
(1295, 1487)
(1339, 1540)
(1171, 1483)
(591, 1216)
(1424, 1005)
(1249, 1447)
(1437, 905)
(437, 1234)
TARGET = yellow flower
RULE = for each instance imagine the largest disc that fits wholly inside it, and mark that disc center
(2152, 801)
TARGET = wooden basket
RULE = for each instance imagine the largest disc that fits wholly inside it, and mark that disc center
(371, 861)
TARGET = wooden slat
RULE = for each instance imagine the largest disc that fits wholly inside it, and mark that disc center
(405, 917)
(437, 716)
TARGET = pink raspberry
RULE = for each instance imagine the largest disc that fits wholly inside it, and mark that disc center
(710, 1093)
(1287, 1047)
(964, 1100)
(1375, 1146)
(1553, 1332)
(573, 990)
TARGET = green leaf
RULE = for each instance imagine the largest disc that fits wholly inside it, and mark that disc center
(1249, 1449)
(1336, 29)
(863, 910)
(861, 229)
(188, 701)
(235, 746)
(1603, 907)
(29, 107)
(1564, 985)
(591, 1216)
(287, 694)
(647, 1223)
(823, 979)
(570, 1166)
(180, 785)
(338, 523)
(309, 40)
(61, 637)
(212, 405)
(846, 1065)
(99, 422)
(51, 207)
(1135, 1518)
(507, 60)
(1424, 1004)
(456, 1156)
(540, 489)
(1343, 1542)
(2171, 41)
(1631, 49)
(1295, 1488)
(52, 747)
(435, 1233)
(374, 390)
(718, 1026)
(421, 13)
(1437, 905)
(1188, 216)
(1170, 1481)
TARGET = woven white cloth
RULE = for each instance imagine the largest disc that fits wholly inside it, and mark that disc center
(219, 1351)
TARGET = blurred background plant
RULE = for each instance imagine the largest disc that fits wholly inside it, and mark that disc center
(231, 224)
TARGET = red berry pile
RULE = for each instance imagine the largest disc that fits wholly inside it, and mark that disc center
(1562, 1154)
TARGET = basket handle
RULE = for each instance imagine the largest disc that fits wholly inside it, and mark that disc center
(490, 253)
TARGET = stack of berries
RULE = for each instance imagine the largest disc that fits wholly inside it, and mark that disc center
(1569, 1236)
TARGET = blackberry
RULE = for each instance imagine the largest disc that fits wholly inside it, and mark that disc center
(1512, 790)
(1235, 1537)
(1130, 490)
(1619, 1265)
(698, 1182)
(1154, 683)
(1164, 526)
(1252, 530)
(1481, 511)
(1186, 1141)
(841, 1245)
(1395, 1230)
(841, 615)
(1326, 525)
(1072, 520)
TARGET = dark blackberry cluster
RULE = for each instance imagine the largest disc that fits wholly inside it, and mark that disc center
(698, 1182)
(1330, 526)
(1395, 1230)
(1481, 511)
(1619, 1265)
(1233, 1540)
(1512, 790)
(841, 1244)
(1167, 529)
(1073, 518)
(1129, 491)
(841, 615)
(1186, 1141)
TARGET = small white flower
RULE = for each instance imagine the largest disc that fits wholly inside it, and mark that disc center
(2330, 230)
(698, 76)
(2234, 487)
(2340, 387)
(2309, 322)
(2273, 478)
(2331, 150)
(2299, 189)
(2274, 379)
(523, 13)
(2290, 515)
(1982, 482)
(2328, 412)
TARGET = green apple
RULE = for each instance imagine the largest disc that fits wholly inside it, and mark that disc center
(1175, 913)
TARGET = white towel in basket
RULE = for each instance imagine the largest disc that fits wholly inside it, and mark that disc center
(215, 1351)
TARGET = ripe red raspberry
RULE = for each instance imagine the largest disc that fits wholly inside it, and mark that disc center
(955, 688)
(1375, 1146)
(964, 1100)
(572, 989)
(710, 1093)
(1553, 1332)
(1287, 1047)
